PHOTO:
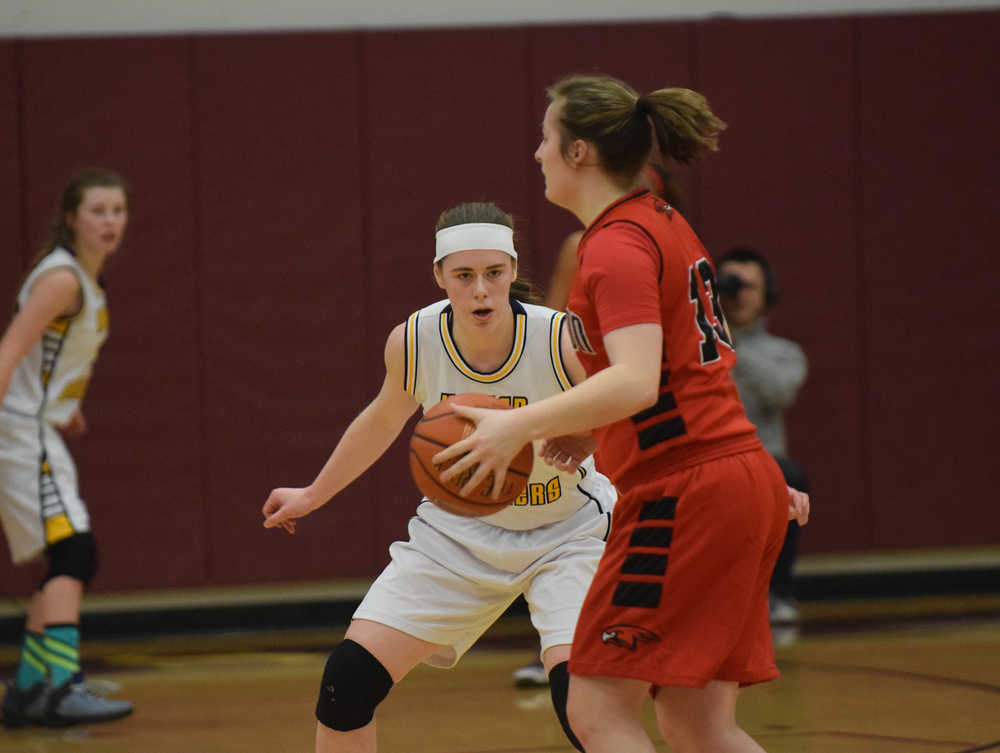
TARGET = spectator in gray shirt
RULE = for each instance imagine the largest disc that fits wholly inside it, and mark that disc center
(769, 372)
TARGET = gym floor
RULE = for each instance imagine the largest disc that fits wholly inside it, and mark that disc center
(904, 675)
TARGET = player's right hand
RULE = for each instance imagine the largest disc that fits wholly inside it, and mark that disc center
(798, 506)
(284, 505)
(75, 426)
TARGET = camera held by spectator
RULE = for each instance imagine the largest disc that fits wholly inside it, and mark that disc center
(730, 284)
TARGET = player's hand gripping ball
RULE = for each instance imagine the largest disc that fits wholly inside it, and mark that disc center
(441, 427)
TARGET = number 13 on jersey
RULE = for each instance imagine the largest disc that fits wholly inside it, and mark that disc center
(712, 330)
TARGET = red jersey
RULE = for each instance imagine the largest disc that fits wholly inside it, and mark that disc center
(640, 262)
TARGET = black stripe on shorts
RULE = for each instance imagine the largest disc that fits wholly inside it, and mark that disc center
(660, 509)
(645, 564)
(659, 537)
(635, 594)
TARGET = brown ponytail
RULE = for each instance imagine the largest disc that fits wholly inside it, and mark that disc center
(684, 124)
(611, 114)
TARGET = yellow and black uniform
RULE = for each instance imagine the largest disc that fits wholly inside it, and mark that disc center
(456, 575)
(40, 502)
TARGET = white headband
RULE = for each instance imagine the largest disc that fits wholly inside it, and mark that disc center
(474, 235)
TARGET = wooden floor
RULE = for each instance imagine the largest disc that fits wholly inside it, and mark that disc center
(917, 676)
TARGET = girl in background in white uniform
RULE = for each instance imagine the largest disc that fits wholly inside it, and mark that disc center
(46, 357)
(457, 575)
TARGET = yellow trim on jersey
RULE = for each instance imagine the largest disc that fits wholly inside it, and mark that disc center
(410, 378)
(60, 324)
(557, 363)
(57, 528)
(520, 332)
(103, 318)
(75, 390)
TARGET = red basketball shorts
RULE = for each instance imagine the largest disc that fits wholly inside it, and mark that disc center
(680, 595)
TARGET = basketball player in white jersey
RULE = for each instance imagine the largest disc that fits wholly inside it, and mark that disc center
(457, 575)
(46, 357)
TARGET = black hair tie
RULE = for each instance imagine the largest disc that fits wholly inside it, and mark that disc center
(643, 107)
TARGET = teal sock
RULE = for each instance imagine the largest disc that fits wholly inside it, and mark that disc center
(31, 668)
(62, 649)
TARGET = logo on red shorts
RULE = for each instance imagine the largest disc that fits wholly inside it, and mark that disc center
(628, 636)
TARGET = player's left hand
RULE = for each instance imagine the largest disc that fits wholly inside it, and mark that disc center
(798, 506)
(497, 439)
(568, 451)
(75, 426)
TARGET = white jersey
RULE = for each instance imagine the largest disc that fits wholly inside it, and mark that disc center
(435, 369)
(51, 379)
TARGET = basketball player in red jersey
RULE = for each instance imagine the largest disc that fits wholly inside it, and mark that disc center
(678, 608)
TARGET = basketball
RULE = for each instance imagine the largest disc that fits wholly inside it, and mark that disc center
(441, 427)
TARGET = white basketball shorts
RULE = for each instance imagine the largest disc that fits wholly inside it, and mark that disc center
(456, 576)
(39, 499)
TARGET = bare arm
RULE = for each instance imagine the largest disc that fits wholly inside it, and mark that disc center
(629, 385)
(557, 295)
(364, 442)
(54, 294)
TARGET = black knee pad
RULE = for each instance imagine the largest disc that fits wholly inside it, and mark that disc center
(559, 687)
(75, 556)
(354, 683)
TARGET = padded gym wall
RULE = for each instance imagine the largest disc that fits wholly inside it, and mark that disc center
(124, 103)
(285, 189)
(784, 182)
(928, 204)
(285, 303)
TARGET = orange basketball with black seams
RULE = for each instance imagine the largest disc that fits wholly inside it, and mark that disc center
(441, 427)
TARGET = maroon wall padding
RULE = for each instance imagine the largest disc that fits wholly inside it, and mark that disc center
(284, 300)
(11, 263)
(285, 190)
(647, 56)
(448, 131)
(784, 182)
(14, 580)
(929, 207)
(124, 104)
